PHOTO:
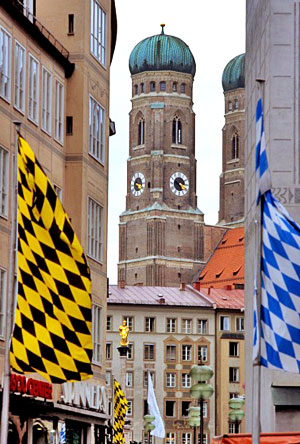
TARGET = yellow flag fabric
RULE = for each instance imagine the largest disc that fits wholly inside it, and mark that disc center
(53, 321)
(120, 408)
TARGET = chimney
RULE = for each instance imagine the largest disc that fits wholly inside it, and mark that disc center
(182, 286)
(122, 284)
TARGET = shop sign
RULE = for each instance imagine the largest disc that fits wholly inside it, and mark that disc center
(84, 394)
(33, 387)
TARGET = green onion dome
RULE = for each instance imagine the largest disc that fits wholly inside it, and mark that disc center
(162, 53)
(234, 74)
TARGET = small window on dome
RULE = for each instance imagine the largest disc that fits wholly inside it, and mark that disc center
(142, 87)
(135, 90)
(182, 88)
(162, 86)
(174, 87)
(229, 106)
(152, 86)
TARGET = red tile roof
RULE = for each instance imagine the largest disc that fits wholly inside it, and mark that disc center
(233, 299)
(226, 265)
(165, 296)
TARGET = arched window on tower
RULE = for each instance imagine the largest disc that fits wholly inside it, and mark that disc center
(236, 104)
(177, 130)
(142, 88)
(135, 89)
(162, 86)
(182, 88)
(229, 106)
(174, 87)
(141, 131)
(152, 86)
(235, 146)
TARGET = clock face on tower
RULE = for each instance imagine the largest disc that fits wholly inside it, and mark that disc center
(179, 183)
(137, 184)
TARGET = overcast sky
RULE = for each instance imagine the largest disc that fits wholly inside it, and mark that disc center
(215, 32)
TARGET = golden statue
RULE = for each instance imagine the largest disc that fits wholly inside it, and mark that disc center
(123, 331)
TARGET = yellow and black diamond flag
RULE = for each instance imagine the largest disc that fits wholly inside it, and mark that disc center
(53, 321)
(120, 408)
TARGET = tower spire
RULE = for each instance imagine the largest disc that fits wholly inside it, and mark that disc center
(162, 27)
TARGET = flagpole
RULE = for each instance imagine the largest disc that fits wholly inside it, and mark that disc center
(256, 402)
(10, 292)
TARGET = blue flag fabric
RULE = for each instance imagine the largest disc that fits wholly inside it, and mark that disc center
(279, 330)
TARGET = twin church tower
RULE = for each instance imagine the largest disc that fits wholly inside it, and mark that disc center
(163, 240)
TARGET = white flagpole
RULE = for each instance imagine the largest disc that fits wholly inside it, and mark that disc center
(10, 292)
(256, 401)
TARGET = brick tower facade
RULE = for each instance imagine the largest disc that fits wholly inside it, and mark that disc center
(161, 231)
(231, 211)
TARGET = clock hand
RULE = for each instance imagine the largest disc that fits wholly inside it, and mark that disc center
(139, 185)
(183, 187)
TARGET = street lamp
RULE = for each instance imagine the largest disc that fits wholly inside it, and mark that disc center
(236, 413)
(148, 426)
(201, 391)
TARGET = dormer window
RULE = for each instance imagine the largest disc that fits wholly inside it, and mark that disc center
(177, 130)
(152, 86)
(162, 86)
(182, 88)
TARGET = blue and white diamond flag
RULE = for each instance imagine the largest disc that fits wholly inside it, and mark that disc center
(279, 326)
(263, 177)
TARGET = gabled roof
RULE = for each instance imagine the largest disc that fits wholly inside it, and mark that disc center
(226, 265)
(158, 296)
(230, 299)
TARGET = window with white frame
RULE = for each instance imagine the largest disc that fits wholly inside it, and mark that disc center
(202, 353)
(171, 380)
(95, 216)
(149, 352)
(59, 112)
(130, 350)
(171, 438)
(2, 300)
(224, 323)
(149, 325)
(109, 323)
(234, 349)
(234, 374)
(240, 324)
(3, 182)
(19, 101)
(129, 407)
(170, 352)
(204, 409)
(233, 427)
(98, 32)
(186, 326)
(171, 325)
(185, 380)
(202, 326)
(107, 377)
(97, 129)
(186, 352)
(97, 328)
(5, 63)
(186, 438)
(33, 89)
(46, 100)
(108, 350)
(129, 379)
